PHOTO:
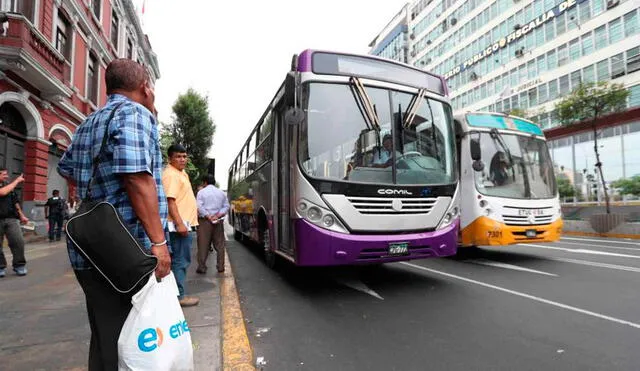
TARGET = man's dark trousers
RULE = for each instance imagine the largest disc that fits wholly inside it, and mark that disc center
(11, 228)
(107, 310)
(55, 226)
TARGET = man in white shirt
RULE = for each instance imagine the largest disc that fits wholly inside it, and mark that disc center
(212, 207)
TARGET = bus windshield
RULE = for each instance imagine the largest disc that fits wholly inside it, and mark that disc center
(339, 142)
(516, 166)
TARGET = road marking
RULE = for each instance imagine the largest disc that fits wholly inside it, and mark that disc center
(602, 246)
(508, 266)
(582, 251)
(602, 240)
(358, 285)
(527, 296)
(600, 265)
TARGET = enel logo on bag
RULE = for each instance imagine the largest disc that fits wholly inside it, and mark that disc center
(151, 338)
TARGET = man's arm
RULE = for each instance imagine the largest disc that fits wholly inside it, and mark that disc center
(181, 228)
(46, 210)
(200, 201)
(11, 186)
(23, 218)
(141, 189)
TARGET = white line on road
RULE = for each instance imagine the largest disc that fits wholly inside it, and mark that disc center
(527, 296)
(602, 240)
(600, 265)
(508, 266)
(602, 246)
(582, 251)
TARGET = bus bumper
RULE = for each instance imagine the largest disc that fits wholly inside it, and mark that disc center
(319, 247)
(488, 232)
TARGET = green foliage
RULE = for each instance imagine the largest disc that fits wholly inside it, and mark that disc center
(629, 186)
(591, 100)
(565, 188)
(518, 112)
(192, 127)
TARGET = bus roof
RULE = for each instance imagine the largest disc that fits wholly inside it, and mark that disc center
(502, 121)
(367, 66)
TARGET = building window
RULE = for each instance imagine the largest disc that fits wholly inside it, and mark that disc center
(63, 36)
(542, 93)
(553, 89)
(542, 64)
(563, 55)
(587, 44)
(588, 74)
(129, 48)
(92, 79)
(633, 59)
(634, 97)
(24, 7)
(533, 97)
(114, 29)
(96, 7)
(576, 79)
(631, 23)
(603, 70)
(617, 65)
(574, 49)
(601, 37)
(615, 30)
(552, 60)
(564, 85)
(598, 7)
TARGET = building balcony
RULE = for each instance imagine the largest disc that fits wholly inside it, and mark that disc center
(25, 52)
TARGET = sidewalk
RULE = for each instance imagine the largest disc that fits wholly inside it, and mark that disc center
(44, 322)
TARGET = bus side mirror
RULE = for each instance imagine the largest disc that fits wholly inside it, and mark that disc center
(476, 154)
(294, 116)
(290, 90)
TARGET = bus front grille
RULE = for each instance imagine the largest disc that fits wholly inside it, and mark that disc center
(392, 206)
(524, 220)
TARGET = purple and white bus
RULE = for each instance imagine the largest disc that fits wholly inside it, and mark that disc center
(352, 162)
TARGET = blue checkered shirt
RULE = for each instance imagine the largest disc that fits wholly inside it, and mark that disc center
(133, 147)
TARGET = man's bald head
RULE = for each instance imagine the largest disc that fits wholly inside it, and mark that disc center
(125, 75)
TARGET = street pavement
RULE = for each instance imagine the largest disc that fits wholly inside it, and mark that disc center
(44, 325)
(568, 305)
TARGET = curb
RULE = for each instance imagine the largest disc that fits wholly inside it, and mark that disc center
(236, 349)
(605, 235)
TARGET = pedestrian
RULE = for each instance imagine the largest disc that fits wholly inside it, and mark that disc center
(183, 218)
(55, 211)
(10, 214)
(212, 206)
(129, 177)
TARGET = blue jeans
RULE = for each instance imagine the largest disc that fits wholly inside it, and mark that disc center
(180, 258)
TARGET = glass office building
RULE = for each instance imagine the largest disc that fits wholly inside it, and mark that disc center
(498, 55)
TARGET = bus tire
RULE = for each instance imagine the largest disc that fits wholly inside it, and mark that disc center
(270, 258)
(237, 235)
(466, 252)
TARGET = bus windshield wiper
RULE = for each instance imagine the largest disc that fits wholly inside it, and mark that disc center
(497, 137)
(414, 105)
(365, 105)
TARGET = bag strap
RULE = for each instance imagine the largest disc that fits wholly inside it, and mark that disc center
(98, 159)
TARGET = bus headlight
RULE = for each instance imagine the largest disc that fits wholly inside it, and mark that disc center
(314, 214)
(449, 217)
(320, 216)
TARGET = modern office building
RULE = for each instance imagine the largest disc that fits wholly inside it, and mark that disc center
(498, 55)
(53, 56)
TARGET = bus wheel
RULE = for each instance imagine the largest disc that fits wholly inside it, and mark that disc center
(270, 257)
(466, 252)
(237, 235)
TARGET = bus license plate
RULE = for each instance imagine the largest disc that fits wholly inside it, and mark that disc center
(531, 233)
(399, 248)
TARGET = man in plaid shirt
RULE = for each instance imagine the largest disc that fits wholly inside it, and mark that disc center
(130, 178)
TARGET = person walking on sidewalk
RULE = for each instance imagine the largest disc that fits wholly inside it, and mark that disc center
(130, 178)
(55, 211)
(183, 218)
(212, 206)
(10, 213)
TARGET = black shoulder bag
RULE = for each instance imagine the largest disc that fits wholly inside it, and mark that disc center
(100, 235)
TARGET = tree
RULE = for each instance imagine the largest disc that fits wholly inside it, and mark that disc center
(628, 186)
(565, 188)
(192, 127)
(587, 103)
(518, 112)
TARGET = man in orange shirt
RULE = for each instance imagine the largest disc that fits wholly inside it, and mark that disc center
(183, 217)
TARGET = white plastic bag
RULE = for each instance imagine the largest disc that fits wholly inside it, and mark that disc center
(155, 336)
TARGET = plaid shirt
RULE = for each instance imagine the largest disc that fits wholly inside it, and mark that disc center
(133, 147)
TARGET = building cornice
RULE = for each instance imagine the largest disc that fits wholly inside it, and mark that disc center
(150, 56)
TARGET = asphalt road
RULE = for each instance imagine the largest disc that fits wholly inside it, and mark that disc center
(569, 305)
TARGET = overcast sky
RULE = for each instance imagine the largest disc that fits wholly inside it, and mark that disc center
(238, 53)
